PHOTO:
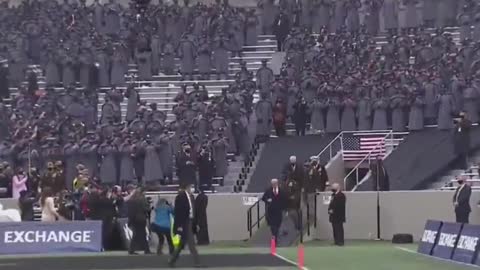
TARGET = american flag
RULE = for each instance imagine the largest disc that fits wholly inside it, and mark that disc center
(358, 146)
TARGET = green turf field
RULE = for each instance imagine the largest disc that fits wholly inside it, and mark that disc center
(363, 255)
(368, 256)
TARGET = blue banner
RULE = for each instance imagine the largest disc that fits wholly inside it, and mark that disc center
(429, 237)
(467, 244)
(46, 237)
(447, 240)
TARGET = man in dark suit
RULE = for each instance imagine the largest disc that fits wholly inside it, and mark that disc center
(461, 201)
(184, 224)
(293, 171)
(275, 200)
(186, 166)
(336, 210)
(281, 28)
(461, 139)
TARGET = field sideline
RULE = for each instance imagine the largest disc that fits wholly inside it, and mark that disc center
(369, 255)
(319, 255)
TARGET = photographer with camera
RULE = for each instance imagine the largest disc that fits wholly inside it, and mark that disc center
(138, 215)
(5, 183)
(25, 203)
(66, 206)
(101, 207)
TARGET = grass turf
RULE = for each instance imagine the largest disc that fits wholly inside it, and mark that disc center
(368, 256)
(362, 255)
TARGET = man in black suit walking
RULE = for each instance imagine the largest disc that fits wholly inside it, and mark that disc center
(281, 28)
(336, 210)
(275, 200)
(184, 224)
(461, 201)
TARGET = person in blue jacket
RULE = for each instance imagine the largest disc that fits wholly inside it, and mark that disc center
(162, 224)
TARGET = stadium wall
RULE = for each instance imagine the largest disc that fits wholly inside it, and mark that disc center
(400, 212)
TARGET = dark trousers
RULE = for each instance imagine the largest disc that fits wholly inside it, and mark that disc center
(163, 234)
(139, 238)
(338, 236)
(275, 229)
(463, 161)
(300, 129)
(280, 130)
(280, 41)
(462, 216)
(186, 238)
(107, 229)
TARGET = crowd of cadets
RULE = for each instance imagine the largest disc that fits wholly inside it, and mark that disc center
(336, 81)
(90, 46)
(347, 81)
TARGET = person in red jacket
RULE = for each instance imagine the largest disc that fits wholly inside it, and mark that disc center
(279, 117)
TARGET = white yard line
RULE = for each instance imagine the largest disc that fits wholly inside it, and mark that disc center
(289, 261)
(437, 258)
(7, 264)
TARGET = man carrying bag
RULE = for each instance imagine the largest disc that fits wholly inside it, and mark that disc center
(184, 224)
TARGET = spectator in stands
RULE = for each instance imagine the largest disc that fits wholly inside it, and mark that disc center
(279, 117)
(186, 166)
(461, 201)
(19, 183)
(25, 203)
(162, 223)
(336, 211)
(300, 116)
(462, 139)
(281, 28)
(206, 168)
(47, 204)
(275, 199)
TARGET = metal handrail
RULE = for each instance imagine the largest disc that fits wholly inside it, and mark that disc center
(329, 146)
(250, 223)
(340, 137)
(368, 156)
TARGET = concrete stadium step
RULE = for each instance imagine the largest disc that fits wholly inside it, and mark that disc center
(251, 64)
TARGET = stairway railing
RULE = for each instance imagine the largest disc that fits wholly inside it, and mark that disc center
(332, 148)
(259, 217)
(371, 155)
(255, 222)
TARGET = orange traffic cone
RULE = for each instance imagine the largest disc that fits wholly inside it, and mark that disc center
(273, 246)
(301, 257)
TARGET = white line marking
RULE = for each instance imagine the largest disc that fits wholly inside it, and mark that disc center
(7, 264)
(437, 258)
(289, 261)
